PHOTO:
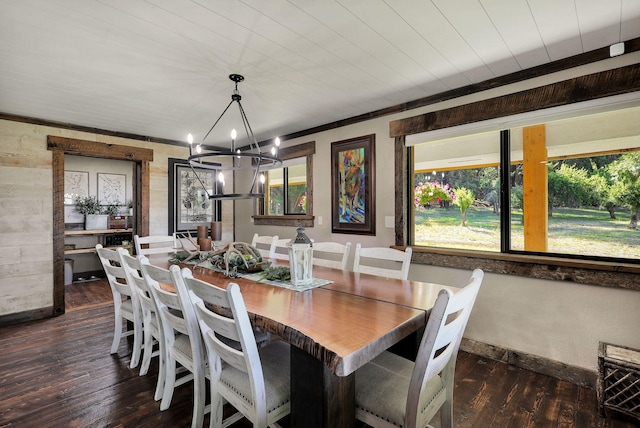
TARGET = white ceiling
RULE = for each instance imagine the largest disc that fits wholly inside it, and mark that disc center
(160, 68)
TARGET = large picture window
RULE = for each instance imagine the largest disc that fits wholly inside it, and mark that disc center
(573, 188)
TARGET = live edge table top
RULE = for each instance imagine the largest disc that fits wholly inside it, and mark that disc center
(344, 324)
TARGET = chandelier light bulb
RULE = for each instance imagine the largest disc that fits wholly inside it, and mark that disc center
(234, 134)
(221, 177)
(277, 141)
(190, 139)
(199, 148)
(273, 151)
(262, 179)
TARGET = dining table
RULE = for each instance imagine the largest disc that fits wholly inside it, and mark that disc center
(333, 329)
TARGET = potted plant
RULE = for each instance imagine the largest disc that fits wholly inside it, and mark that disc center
(93, 215)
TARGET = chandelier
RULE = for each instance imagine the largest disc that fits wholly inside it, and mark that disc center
(248, 158)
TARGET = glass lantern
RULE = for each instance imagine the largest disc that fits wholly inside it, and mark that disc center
(301, 259)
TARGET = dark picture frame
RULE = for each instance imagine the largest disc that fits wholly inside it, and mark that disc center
(353, 186)
(189, 203)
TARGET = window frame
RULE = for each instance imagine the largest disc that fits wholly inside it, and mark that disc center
(576, 269)
(306, 150)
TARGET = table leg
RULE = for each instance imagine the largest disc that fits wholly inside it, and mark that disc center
(319, 398)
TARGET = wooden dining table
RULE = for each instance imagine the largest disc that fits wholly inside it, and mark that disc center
(333, 330)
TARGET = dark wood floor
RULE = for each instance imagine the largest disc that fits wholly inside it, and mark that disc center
(59, 373)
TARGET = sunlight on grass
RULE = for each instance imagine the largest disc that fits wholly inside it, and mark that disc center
(571, 231)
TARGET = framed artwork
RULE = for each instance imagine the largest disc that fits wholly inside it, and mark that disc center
(112, 189)
(76, 185)
(353, 186)
(189, 203)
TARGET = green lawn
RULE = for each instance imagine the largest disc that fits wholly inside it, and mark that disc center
(571, 231)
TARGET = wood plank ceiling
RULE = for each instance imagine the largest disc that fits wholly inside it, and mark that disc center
(160, 68)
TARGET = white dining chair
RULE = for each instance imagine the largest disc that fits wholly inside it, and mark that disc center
(280, 249)
(392, 391)
(155, 244)
(382, 261)
(153, 341)
(125, 303)
(182, 339)
(331, 254)
(264, 244)
(255, 381)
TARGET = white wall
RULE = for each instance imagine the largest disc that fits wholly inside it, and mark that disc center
(560, 321)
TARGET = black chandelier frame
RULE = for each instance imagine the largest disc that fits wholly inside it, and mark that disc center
(211, 157)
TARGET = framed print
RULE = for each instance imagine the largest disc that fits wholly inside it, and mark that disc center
(189, 203)
(112, 189)
(76, 185)
(353, 186)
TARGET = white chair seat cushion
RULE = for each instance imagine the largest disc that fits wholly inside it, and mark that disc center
(382, 386)
(275, 367)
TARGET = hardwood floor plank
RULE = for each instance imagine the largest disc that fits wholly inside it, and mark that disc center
(59, 372)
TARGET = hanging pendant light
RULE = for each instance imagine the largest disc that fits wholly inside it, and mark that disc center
(248, 158)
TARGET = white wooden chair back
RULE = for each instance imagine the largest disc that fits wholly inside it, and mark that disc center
(280, 249)
(155, 244)
(151, 324)
(230, 341)
(395, 263)
(264, 244)
(183, 342)
(129, 308)
(331, 254)
(431, 383)
(440, 343)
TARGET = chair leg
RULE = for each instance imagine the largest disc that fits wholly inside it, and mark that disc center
(215, 418)
(117, 333)
(446, 410)
(199, 392)
(137, 343)
(161, 374)
(147, 348)
(446, 414)
(169, 382)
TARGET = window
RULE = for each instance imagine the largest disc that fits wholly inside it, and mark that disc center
(573, 189)
(443, 178)
(287, 188)
(289, 193)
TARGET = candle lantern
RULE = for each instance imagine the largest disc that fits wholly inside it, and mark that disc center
(301, 259)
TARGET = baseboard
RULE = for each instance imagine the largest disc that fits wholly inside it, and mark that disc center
(20, 317)
(577, 375)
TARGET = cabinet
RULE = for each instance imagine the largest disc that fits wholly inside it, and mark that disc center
(107, 237)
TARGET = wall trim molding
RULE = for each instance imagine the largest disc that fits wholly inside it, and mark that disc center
(576, 375)
(26, 316)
